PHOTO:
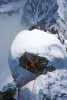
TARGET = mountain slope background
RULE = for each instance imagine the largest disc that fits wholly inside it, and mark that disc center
(10, 25)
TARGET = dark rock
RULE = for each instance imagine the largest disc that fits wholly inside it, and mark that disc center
(8, 94)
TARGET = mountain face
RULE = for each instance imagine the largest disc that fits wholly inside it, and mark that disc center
(43, 12)
(47, 14)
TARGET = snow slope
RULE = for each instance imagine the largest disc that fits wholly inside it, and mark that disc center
(38, 42)
(52, 86)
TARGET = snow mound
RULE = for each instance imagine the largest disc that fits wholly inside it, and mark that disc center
(52, 86)
(37, 42)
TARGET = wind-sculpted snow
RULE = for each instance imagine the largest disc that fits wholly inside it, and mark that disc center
(37, 42)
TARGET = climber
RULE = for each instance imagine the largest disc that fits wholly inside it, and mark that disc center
(33, 63)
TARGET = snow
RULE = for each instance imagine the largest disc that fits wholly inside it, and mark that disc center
(38, 42)
(29, 42)
(62, 19)
(49, 84)
(47, 14)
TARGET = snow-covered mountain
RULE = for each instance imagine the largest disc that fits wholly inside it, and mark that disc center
(17, 15)
(47, 14)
